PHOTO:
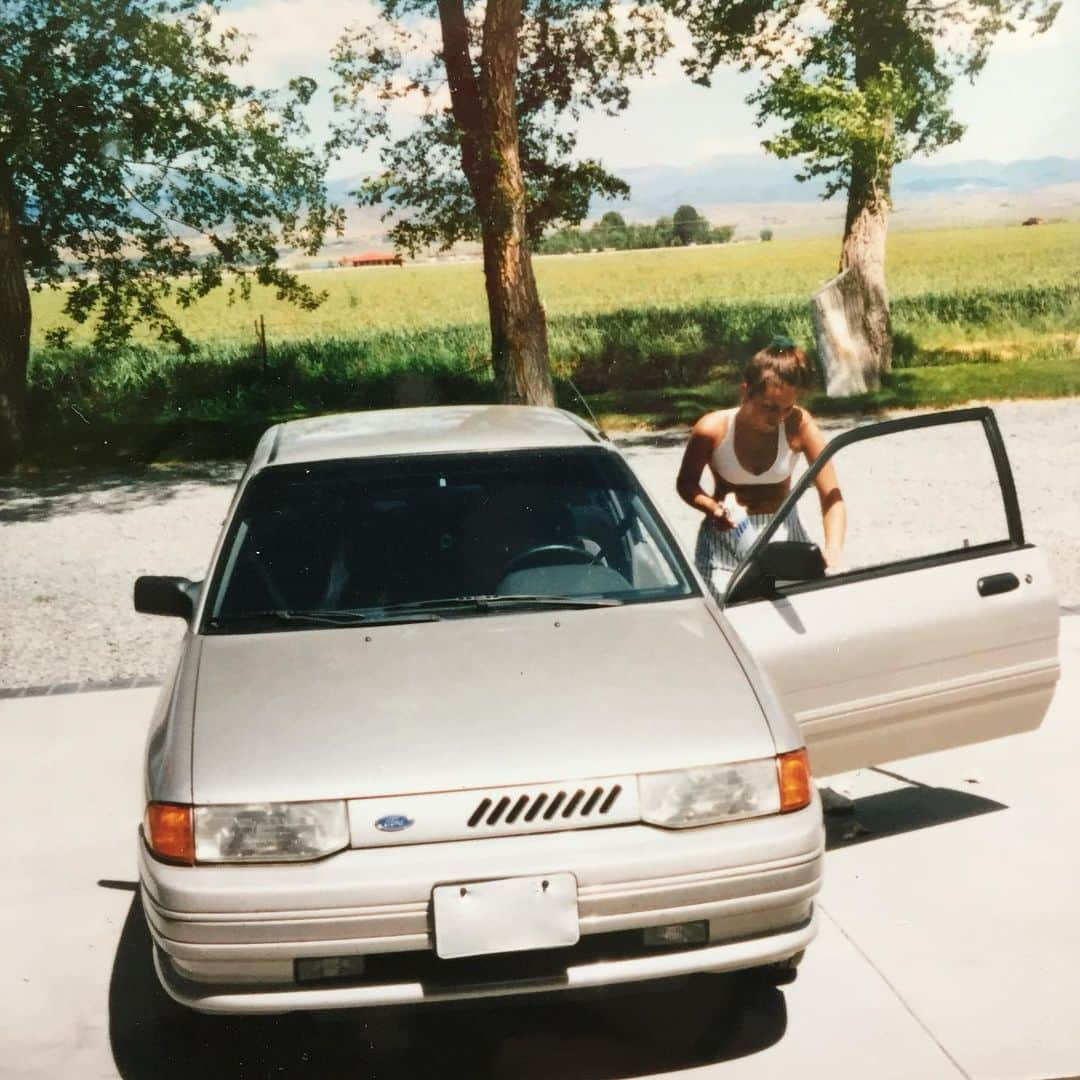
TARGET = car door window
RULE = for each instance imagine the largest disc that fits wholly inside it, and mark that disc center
(941, 628)
(911, 494)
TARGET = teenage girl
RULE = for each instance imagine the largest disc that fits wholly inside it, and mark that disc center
(751, 451)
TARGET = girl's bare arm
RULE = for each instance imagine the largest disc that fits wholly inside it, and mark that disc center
(833, 510)
(703, 438)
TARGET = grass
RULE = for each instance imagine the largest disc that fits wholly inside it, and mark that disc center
(1050, 370)
(406, 299)
(650, 337)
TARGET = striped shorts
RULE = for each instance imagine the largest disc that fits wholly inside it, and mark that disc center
(716, 557)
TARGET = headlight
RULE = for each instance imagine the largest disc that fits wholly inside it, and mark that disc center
(270, 832)
(709, 794)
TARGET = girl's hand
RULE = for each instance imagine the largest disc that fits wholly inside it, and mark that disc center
(719, 518)
(834, 561)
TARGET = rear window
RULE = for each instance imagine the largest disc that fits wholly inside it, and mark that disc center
(370, 535)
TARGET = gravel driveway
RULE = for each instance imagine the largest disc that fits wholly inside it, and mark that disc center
(72, 543)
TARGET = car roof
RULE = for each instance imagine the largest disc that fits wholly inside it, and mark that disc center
(436, 429)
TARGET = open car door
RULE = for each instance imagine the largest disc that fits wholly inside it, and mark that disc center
(941, 627)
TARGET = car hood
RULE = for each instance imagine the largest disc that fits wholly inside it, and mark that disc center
(502, 699)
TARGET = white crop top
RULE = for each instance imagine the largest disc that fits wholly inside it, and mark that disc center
(727, 464)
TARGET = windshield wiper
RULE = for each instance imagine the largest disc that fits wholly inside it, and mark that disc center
(498, 602)
(322, 618)
(410, 611)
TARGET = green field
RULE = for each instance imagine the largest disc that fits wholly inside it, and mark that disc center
(415, 297)
(650, 337)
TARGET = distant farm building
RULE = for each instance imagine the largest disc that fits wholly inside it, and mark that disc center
(371, 258)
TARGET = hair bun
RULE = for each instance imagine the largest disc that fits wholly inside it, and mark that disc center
(780, 361)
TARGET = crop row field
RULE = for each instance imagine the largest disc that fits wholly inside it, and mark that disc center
(420, 296)
(649, 337)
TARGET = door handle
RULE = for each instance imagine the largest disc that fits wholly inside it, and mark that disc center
(998, 583)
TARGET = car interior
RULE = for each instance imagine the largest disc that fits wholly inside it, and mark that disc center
(344, 544)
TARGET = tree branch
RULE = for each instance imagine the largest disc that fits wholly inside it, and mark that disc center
(464, 92)
(936, 9)
(166, 222)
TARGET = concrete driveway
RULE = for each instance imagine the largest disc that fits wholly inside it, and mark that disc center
(949, 941)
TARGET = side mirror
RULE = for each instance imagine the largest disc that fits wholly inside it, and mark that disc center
(166, 596)
(792, 560)
(782, 560)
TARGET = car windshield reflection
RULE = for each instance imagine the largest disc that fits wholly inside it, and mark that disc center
(396, 539)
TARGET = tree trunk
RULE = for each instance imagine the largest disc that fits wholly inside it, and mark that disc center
(851, 312)
(485, 111)
(14, 340)
(874, 25)
(837, 312)
(863, 253)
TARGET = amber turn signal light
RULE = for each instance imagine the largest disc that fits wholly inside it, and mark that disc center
(794, 775)
(168, 831)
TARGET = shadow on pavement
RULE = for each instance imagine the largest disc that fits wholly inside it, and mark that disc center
(39, 495)
(904, 810)
(659, 1027)
(628, 442)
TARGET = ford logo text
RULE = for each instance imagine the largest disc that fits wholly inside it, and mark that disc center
(393, 823)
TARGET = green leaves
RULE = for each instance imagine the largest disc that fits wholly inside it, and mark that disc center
(138, 168)
(858, 85)
(575, 55)
(689, 226)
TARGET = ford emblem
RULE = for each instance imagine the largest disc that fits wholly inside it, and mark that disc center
(393, 823)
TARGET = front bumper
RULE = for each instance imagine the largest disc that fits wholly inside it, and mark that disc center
(732, 956)
(227, 936)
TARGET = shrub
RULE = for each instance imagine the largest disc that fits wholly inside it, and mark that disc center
(630, 348)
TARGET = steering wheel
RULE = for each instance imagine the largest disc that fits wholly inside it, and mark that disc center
(550, 555)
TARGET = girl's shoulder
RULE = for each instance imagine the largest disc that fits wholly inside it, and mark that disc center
(801, 427)
(799, 423)
(713, 424)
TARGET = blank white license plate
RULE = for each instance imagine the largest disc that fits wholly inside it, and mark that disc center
(476, 918)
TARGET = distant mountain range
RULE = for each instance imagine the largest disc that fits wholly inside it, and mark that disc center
(752, 191)
(658, 189)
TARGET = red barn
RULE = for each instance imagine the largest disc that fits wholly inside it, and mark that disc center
(371, 258)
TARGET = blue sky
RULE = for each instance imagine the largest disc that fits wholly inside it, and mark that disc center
(1025, 104)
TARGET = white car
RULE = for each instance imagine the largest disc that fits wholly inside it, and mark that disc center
(454, 717)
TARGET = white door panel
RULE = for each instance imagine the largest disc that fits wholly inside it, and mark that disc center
(908, 663)
(902, 654)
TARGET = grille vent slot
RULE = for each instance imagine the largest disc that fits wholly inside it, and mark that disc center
(577, 803)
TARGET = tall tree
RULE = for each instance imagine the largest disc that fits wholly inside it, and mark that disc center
(857, 85)
(690, 227)
(495, 161)
(135, 172)
(612, 219)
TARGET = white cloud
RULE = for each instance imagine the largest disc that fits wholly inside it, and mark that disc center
(293, 37)
(289, 38)
(1025, 104)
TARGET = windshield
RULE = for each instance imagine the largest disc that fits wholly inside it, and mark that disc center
(392, 539)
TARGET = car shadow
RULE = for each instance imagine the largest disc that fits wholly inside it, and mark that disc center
(904, 810)
(656, 1027)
